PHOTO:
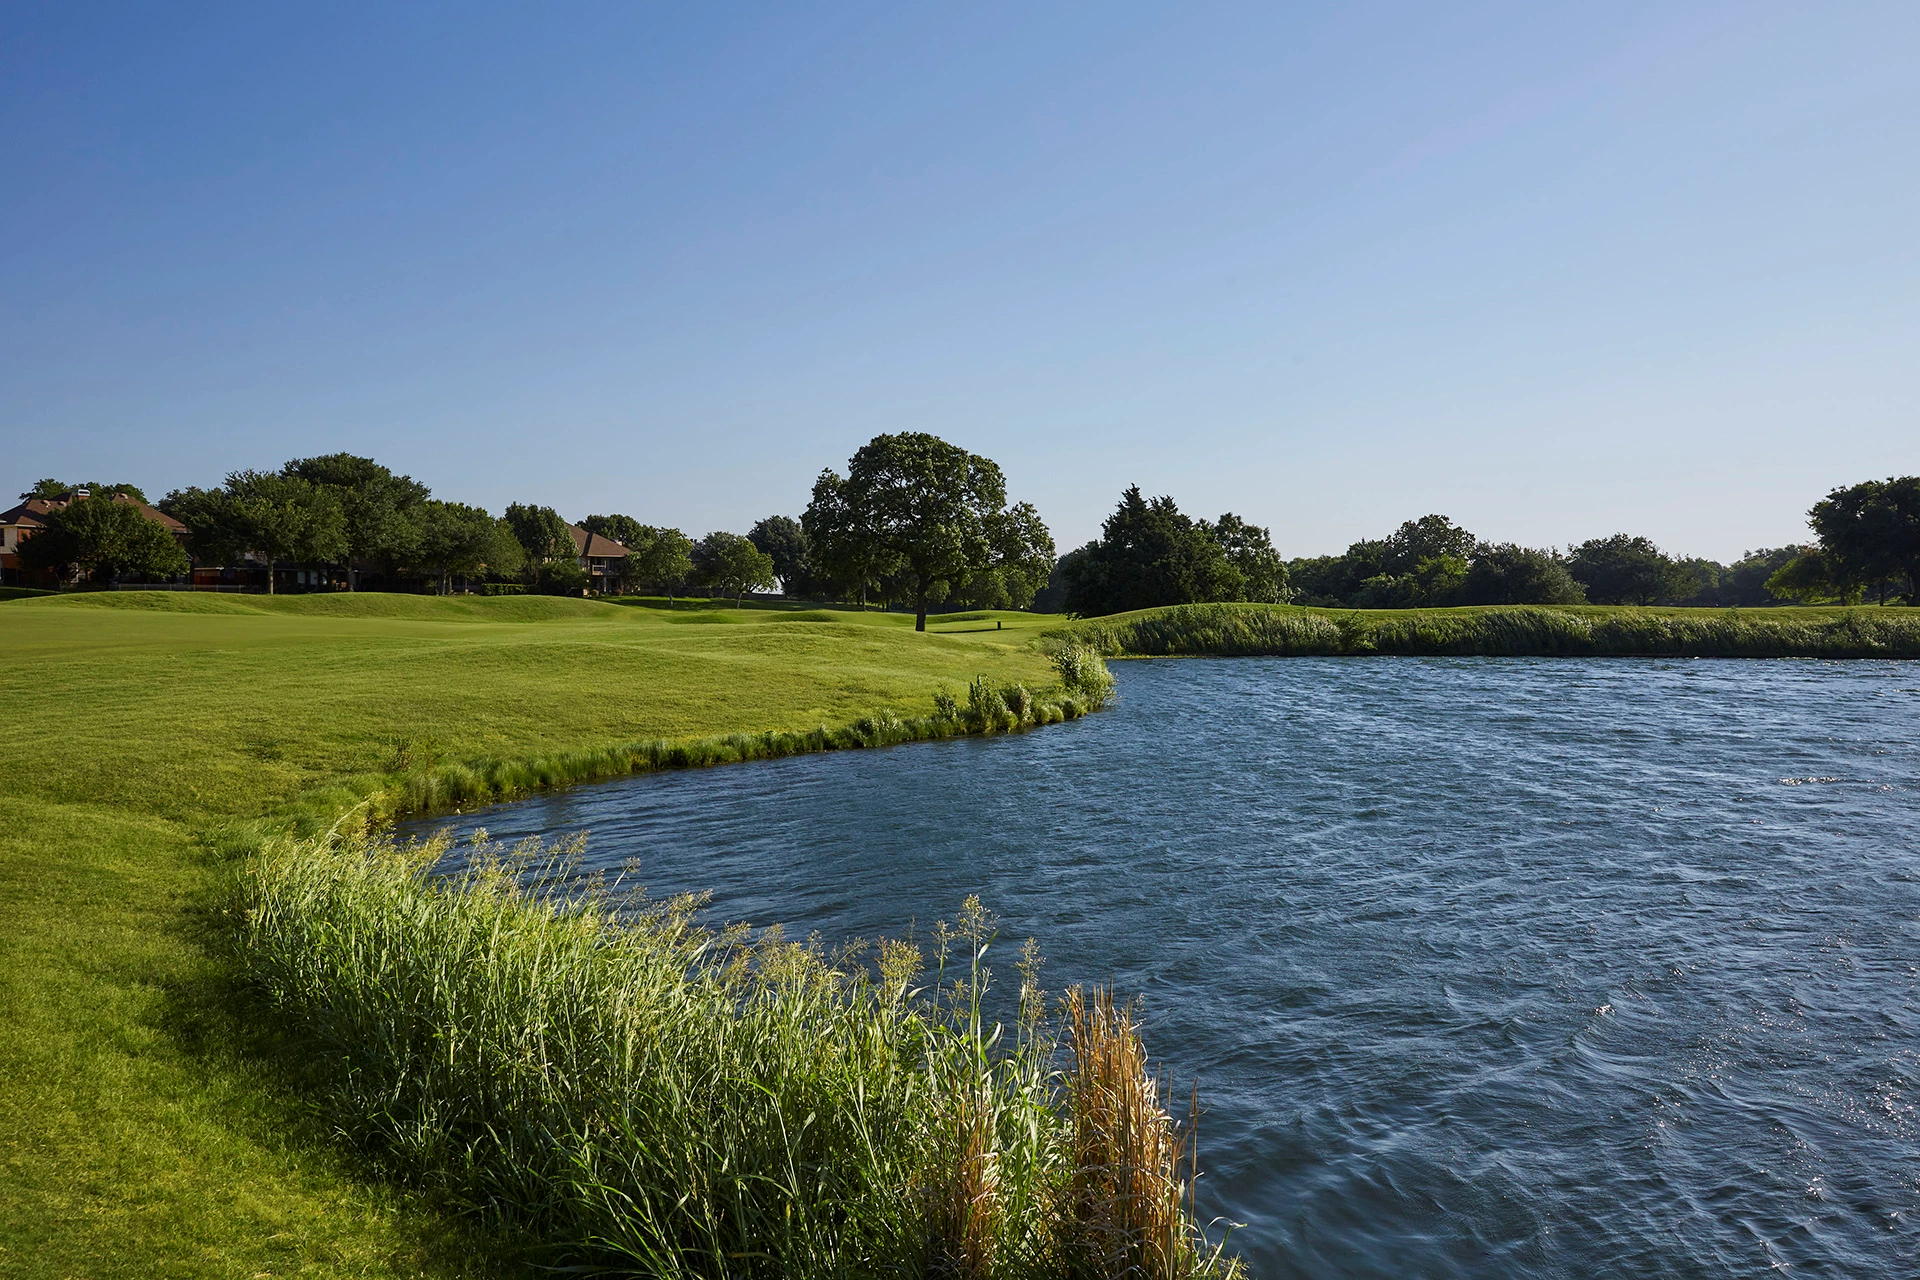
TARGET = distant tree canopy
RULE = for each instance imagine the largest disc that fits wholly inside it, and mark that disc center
(452, 539)
(1505, 573)
(1432, 562)
(100, 538)
(381, 510)
(273, 515)
(659, 557)
(921, 520)
(1624, 569)
(785, 542)
(1869, 540)
(1149, 554)
(622, 529)
(730, 564)
(541, 533)
(51, 488)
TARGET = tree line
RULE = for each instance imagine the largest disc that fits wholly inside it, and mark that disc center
(918, 522)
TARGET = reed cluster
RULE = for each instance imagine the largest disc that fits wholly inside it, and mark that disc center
(595, 1072)
(1516, 631)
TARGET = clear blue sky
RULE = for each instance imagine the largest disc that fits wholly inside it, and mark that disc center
(1554, 270)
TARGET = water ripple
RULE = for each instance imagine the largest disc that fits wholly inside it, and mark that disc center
(1512, 968)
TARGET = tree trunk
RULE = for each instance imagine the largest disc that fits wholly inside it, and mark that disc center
(920, 610)
(269, 575)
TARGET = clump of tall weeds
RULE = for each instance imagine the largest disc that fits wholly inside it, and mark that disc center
(562, 1058)
(1083, 671)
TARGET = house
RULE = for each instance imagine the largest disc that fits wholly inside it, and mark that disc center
(27, 519)
(601, 557)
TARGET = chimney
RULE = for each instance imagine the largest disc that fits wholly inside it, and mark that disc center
(83, 493)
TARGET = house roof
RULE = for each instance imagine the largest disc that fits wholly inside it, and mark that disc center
(594, 545)
(32, 513)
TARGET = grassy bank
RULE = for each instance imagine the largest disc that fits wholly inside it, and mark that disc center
(144, 1129)
(1227, 630)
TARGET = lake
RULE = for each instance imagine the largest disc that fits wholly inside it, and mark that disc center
(1485, 967)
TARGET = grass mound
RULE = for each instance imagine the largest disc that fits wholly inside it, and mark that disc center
(1227, 630)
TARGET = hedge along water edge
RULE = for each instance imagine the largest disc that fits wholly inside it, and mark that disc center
(1223, 630)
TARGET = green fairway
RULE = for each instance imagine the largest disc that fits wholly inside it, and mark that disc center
(137, 1135)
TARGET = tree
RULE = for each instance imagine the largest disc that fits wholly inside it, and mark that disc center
(1505, 573)
(1812, 577)
(1626, 570)
(269, 514)
(729, 562)
(379, 506)
(1428, 538)
(622, 529)
(51, 488)
(842, 555)
(104, 538)
(1871, 535)
(451, 538)
(785, 541)
(1744, 583)
(914, 508)
(281, 517)
(660, 557)
(1249, 548)
(542, 535)
(1022, 562)
(1148, 555)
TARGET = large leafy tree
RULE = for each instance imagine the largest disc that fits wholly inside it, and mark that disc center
(269, 514)
(1431, 537)
(105, 539)
(1504, 573)
(843, 558)
(1023, 561)
(914, 509)
(785, 542)
(1249, 548)
(1624, 569)
(729, 563)
(542, 534)
(1150, 554)
(1871, 535)
(451, 538)
(282, 517)
(381, 509)
(622, 529)
(659, 557)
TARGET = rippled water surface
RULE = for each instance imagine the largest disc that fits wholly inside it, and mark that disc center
(1485, 967)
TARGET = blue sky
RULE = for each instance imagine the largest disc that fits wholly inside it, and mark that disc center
(1553, 270)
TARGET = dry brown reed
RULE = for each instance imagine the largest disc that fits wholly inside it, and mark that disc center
(1130, 1208)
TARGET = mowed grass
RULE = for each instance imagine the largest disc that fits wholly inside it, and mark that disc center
(141, 1134)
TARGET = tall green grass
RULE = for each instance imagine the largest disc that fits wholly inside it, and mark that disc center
(641, 1096)
(1244, 630)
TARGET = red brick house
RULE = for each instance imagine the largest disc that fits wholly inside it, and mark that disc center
(27, 519)
(601, 557)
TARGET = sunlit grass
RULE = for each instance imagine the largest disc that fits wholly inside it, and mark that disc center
(141, 1131)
